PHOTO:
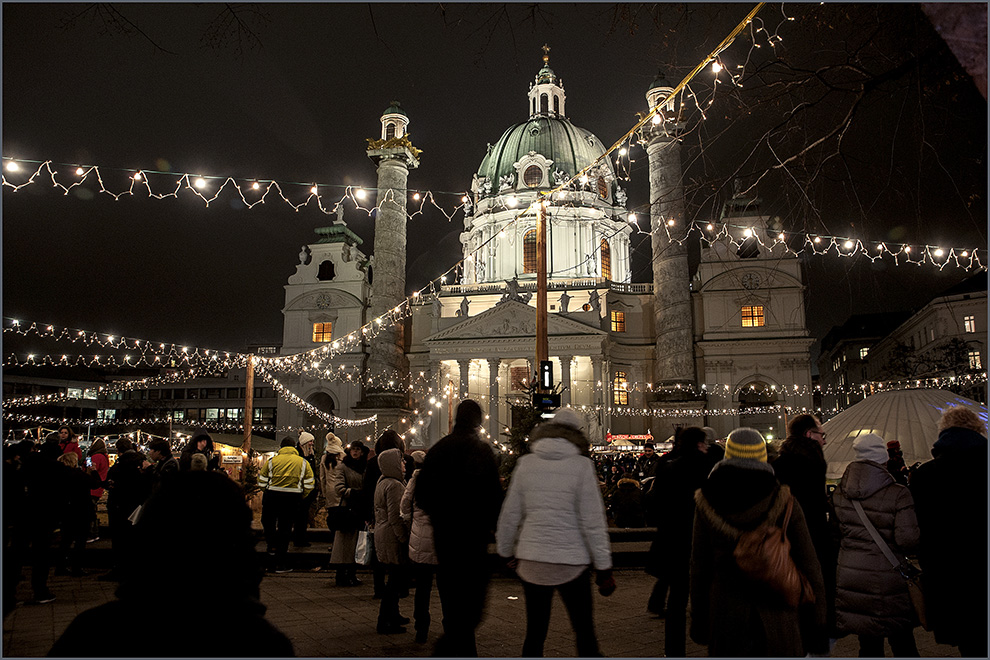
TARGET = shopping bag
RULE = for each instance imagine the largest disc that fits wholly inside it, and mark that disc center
(362, 553)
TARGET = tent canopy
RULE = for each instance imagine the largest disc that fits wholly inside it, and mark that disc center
(258, 443)
(908, 416)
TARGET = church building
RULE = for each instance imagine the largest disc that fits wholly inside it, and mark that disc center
(721, 347)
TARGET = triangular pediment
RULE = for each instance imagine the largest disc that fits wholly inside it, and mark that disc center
(512, 319)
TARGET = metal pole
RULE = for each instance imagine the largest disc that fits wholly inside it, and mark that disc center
(542, 346)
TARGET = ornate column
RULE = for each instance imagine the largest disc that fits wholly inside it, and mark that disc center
(394, 155)
(465, 367)
(494, 428)
(565, 379)
(668, 225)
(436, 427)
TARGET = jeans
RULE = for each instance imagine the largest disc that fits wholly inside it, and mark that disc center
(423, 577)
(576, 595)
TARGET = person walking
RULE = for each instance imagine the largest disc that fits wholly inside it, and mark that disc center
(801, 466)
(733, 614)
(391, 538)
(950, 498)
(459, 488)
(100, 464)
(422, 553)
(552, 530)
(348, 484)
(871, 598)
(285, 479)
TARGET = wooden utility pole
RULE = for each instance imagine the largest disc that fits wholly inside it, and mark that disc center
(542, 346)
(248, 403)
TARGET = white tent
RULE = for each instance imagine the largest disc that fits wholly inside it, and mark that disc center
(908, 416)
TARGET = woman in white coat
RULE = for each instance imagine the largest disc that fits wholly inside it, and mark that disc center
(552, 530)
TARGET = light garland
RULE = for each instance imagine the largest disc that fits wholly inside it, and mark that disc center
(295, 400)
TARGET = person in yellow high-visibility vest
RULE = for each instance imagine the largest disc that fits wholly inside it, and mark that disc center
(286, 478)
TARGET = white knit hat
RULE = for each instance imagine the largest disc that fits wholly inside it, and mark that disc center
(870, 447)
(305, 437)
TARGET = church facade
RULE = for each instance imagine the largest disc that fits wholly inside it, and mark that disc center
(634, 357)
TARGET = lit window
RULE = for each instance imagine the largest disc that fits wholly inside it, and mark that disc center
(602, 188)
(529, 251)
(618, 321)
(606, 260)
(836, 363)
(620, 395)
(931, 334)
(969, 323)
(322, 332)
(975, 361)
(533, 176)
(752, 316)
(863, 352)
(519, 377)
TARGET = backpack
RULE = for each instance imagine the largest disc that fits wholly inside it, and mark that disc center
(764, 554)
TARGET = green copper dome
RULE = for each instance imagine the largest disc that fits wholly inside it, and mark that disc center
(660, 81)
(546, 75)
(570, 148)
(394, 109)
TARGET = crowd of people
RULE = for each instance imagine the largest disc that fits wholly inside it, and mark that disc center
(421, 518)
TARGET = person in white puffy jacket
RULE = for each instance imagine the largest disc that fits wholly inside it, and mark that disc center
(552, 529)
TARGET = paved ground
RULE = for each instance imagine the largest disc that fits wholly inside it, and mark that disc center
(327, 621)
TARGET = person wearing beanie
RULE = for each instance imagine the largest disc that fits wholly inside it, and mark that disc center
(199, 443)
(801, 466)
(285, 480)
(552, 530)
(740, 494)
(950, 495)
(333, 454)
(305, 515)
(459, 487)
(422, 551)
(880, 606)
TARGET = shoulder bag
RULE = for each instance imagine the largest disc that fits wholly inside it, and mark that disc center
(910, 573)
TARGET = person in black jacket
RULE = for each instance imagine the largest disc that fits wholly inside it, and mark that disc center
(459, 488)
(801, 465)
(166, 466)
(950, 499)
(128, 486)
(74, 513)
(174, 534)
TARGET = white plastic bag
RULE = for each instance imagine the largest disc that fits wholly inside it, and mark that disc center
(362, 553)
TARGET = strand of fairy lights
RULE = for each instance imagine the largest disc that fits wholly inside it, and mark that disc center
(297, 401)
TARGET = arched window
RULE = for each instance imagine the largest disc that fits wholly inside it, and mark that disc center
(544, 103)
(602, 187)
(556, 104)
(533, 106)
(606, 260)
(389, 130)
(326, 271)
(620, 393)
(533, 176)
(529, 251)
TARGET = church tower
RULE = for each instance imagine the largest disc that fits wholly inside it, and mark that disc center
(394, 155)
(668, 225)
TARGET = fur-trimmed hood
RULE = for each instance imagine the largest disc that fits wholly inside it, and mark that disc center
(731, 525)
(555, 430)
(628, 482)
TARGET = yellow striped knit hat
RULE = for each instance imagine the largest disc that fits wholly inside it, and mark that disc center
(746, 444)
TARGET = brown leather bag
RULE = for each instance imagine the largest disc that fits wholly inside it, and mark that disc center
(764, 554)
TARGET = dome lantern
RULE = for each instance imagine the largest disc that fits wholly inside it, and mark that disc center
(394, 121)
(546, 94)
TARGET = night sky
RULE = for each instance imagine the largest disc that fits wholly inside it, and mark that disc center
(153, 87)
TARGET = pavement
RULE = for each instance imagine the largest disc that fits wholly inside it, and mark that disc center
(323, 620)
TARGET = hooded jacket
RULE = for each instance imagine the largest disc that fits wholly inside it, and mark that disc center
(553, 511)
(626, 504)
(871, 597)
(730, 612)
(421, 548)
(390, 530)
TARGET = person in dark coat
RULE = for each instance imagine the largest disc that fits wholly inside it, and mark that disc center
(15, 519)
(871, 597)
(199, 443)
(165, 465)
(732, 613)
(176, 531)
(74, 519)
(679, 479)
(44, 503)
(626, 504)
(389, 439)
(459, 488)
(950, 499)
(128, 486)
(801, 465)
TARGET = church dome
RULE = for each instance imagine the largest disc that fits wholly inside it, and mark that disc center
(569, 147)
